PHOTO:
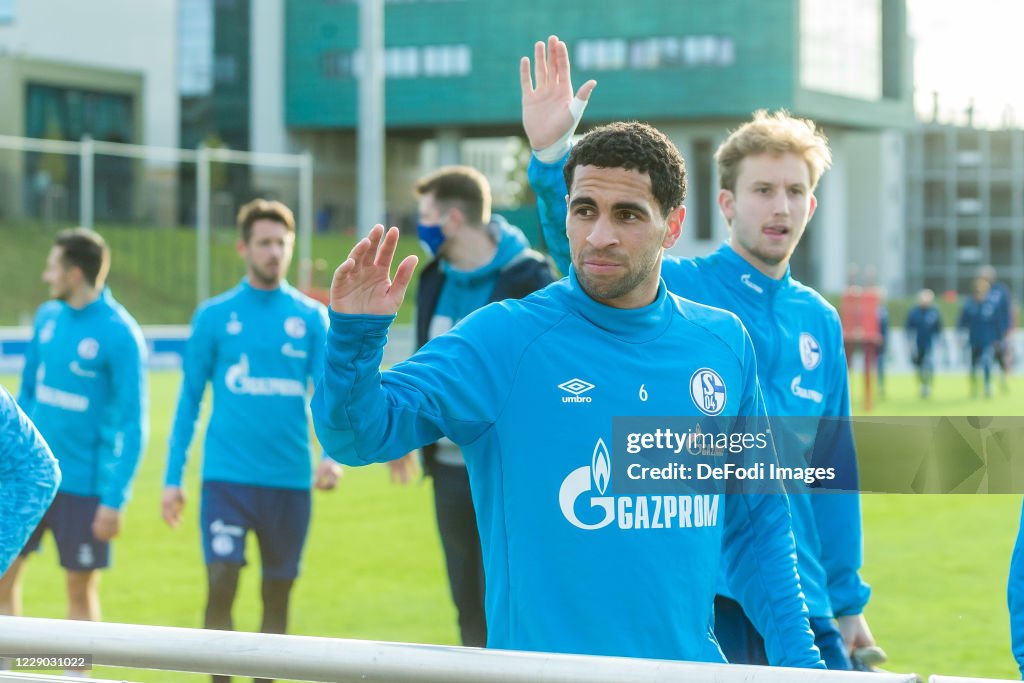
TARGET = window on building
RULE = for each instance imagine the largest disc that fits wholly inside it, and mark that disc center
(936, 250)
(841, 47)
(655, 52)
(225, 69)
(432, 61)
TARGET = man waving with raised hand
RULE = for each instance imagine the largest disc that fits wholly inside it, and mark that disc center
(575, 562)
(768, 170)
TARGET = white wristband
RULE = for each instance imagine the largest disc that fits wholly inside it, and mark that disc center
(560, 147)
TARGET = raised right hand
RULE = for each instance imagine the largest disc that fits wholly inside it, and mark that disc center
(363, 284)
(546, 115)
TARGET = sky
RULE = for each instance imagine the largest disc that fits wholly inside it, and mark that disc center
(968, 49)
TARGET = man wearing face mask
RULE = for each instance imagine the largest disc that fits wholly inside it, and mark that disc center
(478, 259)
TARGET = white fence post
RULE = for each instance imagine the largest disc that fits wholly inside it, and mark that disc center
(202, 223)
(86, 181)
(306, 219)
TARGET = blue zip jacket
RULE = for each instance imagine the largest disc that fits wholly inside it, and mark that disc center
(528, 389)
(999, 296)
(982, 321)
(85, 387)
(923, 326)
(260, 349)
(1015, 597)
(29, 477)
(802, 370)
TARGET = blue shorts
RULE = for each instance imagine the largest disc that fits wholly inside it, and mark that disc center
(278, 517)
(742, 644)
(70, 518)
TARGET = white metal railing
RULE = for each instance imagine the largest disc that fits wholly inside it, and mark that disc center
(25, 677)
(328, 659)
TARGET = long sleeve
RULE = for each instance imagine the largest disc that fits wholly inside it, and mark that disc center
(362, 415)
(759, 554)
(29, 477)
(1015, 597)
(318, 349)
(27, 391)
(197, 368)
(548, 183)
(837, 515)
(124, 438)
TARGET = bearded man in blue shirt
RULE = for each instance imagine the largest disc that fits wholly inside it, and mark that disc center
(528, 390)
(259, 344)
(768, 170)
(84, 386)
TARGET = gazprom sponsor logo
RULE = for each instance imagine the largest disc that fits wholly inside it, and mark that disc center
(238, 381)
(628, 512)
(576, 387)
(65, 400)
(801, 392)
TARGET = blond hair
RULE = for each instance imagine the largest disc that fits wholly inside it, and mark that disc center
(777, 133)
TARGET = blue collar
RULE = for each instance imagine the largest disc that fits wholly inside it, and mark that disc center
(629, 324)
(104, 300)
(262, 294)
(747, 276)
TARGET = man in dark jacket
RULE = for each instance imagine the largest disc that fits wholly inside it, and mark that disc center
(478, 259)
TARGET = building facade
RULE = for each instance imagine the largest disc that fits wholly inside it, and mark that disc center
(965, 207)
(69, 69)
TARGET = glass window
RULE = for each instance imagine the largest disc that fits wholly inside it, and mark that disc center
(841, 47)
(225, 69)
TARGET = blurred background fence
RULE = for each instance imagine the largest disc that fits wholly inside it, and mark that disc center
(168, 214)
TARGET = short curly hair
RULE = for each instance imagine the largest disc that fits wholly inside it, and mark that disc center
(638, 147)
(777, 133)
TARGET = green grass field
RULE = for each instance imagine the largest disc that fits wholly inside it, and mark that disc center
(373, 567)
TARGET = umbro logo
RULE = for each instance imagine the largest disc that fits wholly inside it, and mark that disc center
(576, 387)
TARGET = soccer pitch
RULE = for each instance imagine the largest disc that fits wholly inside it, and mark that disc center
(373, 567)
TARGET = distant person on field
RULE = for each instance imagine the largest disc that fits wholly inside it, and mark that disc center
(999, 297)
(923, 326)
(84, 386)
(259, 345)
(980, 318)
(29, 476)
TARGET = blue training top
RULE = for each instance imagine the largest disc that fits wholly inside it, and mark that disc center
(1015, 597)
(802, 370)
(528, 389)
(85, 387)
(259, 348)
(29, 477)
(924, 324)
